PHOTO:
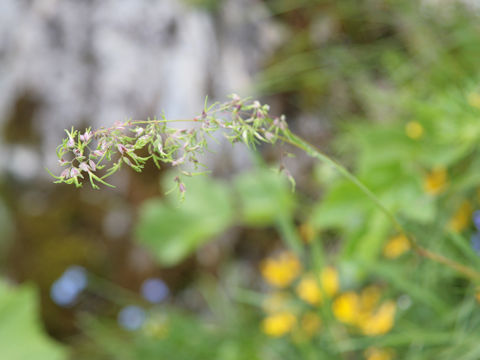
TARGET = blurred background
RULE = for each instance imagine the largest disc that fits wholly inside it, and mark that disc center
(389, 88)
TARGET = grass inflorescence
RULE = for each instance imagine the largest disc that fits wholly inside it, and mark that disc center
(98, 154)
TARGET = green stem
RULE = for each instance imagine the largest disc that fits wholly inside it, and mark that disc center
(315, 153)
(290, 235)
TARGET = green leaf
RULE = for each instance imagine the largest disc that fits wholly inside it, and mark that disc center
(21, 334)
(174, 230)
(264, 196)
(344, 206)
(368, 246)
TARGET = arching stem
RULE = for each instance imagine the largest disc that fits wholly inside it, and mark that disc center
(317, 154)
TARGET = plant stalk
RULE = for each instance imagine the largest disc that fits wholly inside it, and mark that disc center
(317, 154)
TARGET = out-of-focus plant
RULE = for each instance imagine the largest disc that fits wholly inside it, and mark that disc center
(315, 312)
(423, 166)
(153, 326)
(172, 232)
(21, 333)
(344, 58)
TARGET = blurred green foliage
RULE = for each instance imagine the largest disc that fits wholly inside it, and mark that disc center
(351, 57)
(22, 336)
(173, 229)
(185, 336)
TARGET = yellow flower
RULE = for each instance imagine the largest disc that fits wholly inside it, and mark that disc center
(346, 307)
(282, 270)
(474, 99)
(381, 321)
(275, 302)
(378, 354)
(310, 323)
(414, 130)
(396, 246)
(278, 324)
(436, 181)
(312, 290)
(309, 291)
(329, 280)
(461, 218)
(361, 312)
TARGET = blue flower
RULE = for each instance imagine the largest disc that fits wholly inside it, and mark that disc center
(131, 317)
(475, 242)
(65, 290)
(476, 219)
(154, 290)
